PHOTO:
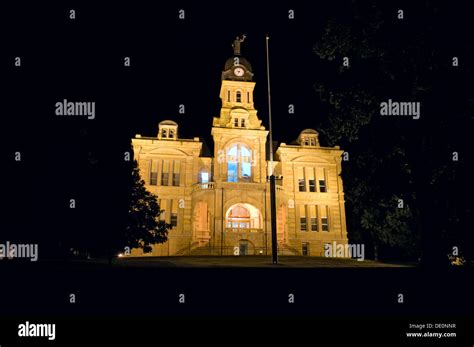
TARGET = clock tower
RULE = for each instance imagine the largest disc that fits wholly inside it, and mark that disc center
(238, 123)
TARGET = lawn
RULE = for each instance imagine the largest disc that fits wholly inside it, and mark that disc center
(251, 262)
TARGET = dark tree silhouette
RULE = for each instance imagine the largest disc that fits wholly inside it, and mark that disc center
(392, 158)
(143, 229)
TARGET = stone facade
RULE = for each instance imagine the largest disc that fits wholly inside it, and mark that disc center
(219, 205)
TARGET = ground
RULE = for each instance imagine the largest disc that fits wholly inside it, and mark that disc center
(231, 286)
(250, 261)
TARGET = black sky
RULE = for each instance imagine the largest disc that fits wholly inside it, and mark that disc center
(173, 62)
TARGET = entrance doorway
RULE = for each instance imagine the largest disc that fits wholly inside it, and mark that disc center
(243, 248)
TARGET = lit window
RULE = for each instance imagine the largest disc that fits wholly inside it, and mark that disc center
(238, 163)
(245, 162)
(204, 177)
(238, 97)
(232, 172)
(238, 218)
(232, 165)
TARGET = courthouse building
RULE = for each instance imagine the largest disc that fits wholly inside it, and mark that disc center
(220, 204)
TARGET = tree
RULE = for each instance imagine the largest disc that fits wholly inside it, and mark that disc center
(395, 159)
(144, 228)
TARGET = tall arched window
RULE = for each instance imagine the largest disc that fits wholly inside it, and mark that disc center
(245, 156)
(232, 164)
(238, 97)
(239, 160)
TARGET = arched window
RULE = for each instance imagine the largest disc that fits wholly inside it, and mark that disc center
(238, 97)
(239, 160)
(243, 216)
(238, 218)
(232, 164)
(245, 156)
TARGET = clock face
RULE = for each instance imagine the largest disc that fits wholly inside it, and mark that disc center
(239, 71)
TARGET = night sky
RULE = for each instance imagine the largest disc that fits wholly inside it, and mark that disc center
(173, 62)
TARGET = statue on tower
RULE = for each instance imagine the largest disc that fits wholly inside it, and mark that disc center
(236, 45)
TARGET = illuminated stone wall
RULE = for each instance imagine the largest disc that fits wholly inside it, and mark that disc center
(199, 194)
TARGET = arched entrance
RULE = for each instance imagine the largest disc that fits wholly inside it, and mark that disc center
(243, 247)
(243, 217)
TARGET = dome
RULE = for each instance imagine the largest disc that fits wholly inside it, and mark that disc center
(229, 64)
(309, 131)
(168, 122)
(308, 137)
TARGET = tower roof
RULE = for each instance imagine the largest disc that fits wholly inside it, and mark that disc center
(231, 62)
(237, 68)
(308, 137)
(168, 122)
(309, 131)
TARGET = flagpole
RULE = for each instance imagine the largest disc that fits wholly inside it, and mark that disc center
(272, 176)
